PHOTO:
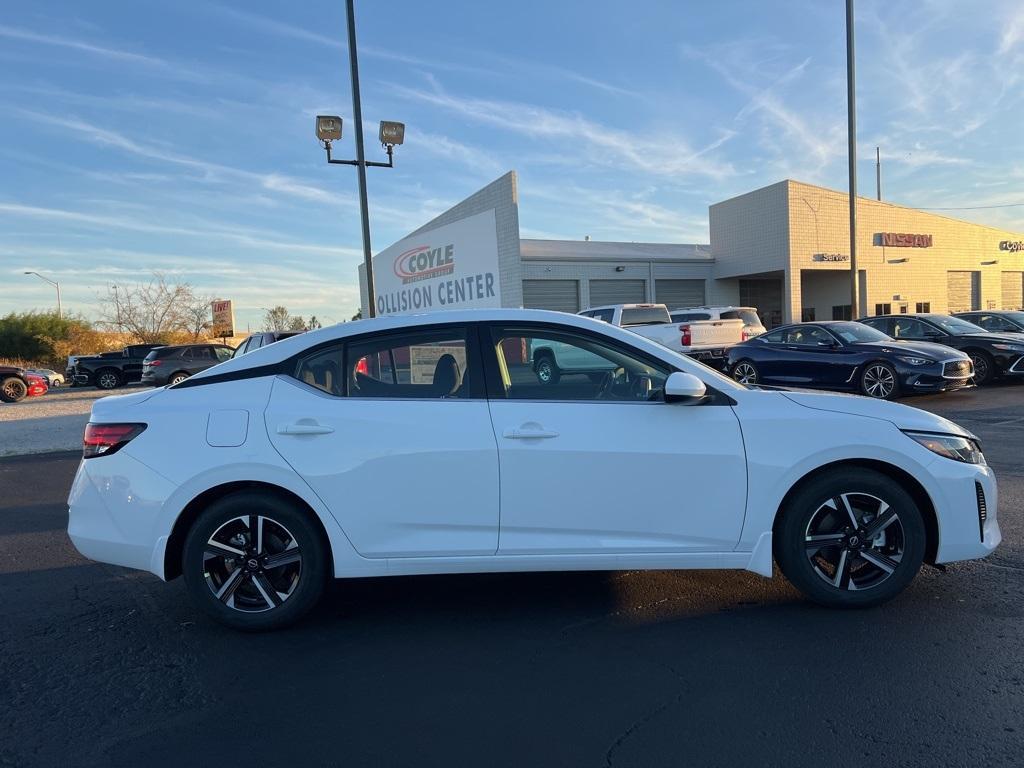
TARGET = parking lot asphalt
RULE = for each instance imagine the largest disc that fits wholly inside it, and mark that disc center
(100, 666)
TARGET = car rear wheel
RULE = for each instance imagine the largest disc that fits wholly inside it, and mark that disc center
(177, 378)
(107, 378)
(13, 389)
(879, 380)
(254, 562)
(984, 367)
(851, 538)
(745, 372)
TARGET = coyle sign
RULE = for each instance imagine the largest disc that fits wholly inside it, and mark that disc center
(902, 240)
(454, 266)
(1011, 245)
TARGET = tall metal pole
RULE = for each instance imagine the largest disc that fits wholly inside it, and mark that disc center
(55, 284)
(878, 172)
(357, 117)
(851, 118)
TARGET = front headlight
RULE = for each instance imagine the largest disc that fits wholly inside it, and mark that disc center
(1009, 348)
(917, 360)
(951, 446)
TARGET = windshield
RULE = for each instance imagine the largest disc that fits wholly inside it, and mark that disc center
(645, 315)
(1017, 317)
(854, 332)
(954, 325)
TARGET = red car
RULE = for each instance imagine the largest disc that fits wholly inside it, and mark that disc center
(17, 384)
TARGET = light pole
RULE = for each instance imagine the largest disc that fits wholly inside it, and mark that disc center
(56, 285)
(328, 129)
(851, 128)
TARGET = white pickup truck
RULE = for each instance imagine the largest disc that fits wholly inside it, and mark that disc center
(705, 340)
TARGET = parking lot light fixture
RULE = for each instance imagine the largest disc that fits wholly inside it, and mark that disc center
(55, 284)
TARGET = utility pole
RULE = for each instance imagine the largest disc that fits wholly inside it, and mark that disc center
(851, 128)
(55, 284)
(357, 116)
(878, 173)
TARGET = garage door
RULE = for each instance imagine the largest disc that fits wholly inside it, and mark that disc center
(559, 295)
(617, 292)
(963, 291)
(1013, 290)
(679, 294)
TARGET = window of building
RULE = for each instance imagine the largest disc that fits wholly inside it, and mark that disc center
(807, 315)
(924, 306)
(555, 365)
(903, 308)
(883, 309)
(842, 312)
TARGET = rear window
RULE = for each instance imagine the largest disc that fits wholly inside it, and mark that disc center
(748, 316)
(686, 317)
(645, 315)
(163, 353)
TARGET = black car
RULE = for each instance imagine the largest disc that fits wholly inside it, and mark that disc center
(993, 354)
(257, 340)
(844, 355)
(996, 321)
(112, 369)
(169, 365)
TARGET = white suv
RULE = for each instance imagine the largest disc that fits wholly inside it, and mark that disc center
(752, 325)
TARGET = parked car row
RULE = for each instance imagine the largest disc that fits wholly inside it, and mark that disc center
(17, 383)
(883, 357)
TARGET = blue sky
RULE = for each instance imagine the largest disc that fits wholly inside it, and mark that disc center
(179, 136)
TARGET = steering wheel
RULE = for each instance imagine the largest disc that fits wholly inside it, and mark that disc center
(605, 387)
(641, 388)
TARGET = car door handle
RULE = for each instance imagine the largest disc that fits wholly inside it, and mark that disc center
(528, 434)
(304, 429)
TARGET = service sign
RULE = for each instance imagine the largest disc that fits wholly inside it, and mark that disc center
(223, 318)
(452, 267)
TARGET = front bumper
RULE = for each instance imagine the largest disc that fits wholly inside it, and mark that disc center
(963, 534)
(943, 376)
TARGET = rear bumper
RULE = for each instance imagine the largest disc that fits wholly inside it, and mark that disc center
(113, 512)
(151, 379)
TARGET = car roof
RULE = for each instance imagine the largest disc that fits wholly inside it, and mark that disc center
(285, 348)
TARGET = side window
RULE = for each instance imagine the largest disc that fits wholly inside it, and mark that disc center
(991, 322)
(223, 353)
(562, 365)
(908, 328)
(773, 337)
(202, 354)
(810, 335)
(883, 324)
(323, 370)
(426, 364)
(605, 314)
(186, 354)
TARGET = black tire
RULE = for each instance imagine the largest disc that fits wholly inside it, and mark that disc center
(304, 580)
(107, 378)
(878, 379)
(13, 389)
(745, 372)
(809, 513)
(177, 377)
(984, 366)
(547, 369)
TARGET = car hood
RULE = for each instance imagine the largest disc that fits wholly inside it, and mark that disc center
(903, 416)
(928, 348)
(998, 338)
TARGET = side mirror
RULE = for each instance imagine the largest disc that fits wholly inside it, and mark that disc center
(684, 388)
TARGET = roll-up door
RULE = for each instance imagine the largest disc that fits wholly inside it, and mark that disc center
(617, 292)
(558, 295)
(679, 294)
(1013, 290)
(964, 291)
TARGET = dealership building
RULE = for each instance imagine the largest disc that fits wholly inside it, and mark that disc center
(783, 249)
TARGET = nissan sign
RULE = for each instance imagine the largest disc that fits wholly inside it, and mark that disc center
(902, 240)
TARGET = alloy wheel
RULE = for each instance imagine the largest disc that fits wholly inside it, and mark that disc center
(252, 563)
(879, 381)
(107, 381)
(544, 371)
(14, 389)
(178, 379)
(744, 373)
(854, 541)
(980, 369)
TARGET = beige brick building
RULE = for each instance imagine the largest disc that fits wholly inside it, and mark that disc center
(783, 249)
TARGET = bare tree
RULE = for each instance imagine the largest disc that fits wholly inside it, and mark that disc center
(153, 312)
(277, 319)
(197, 316)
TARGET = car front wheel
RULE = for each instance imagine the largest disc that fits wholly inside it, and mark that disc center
(254, 562)
(879, 380)
(745, 372)
(13, 389)
(984, 367)
(850, 538)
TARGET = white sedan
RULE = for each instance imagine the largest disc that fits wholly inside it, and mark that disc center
(429, 444)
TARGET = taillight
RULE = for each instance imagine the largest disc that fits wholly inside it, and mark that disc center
(744, 335)
(154, 363)
(105, 439)
(687, 338)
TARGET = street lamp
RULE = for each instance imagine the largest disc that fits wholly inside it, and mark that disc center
(56, 285)
(328, 129)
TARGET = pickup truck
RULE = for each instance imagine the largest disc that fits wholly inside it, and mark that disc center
(112, 370)
(704, 340)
